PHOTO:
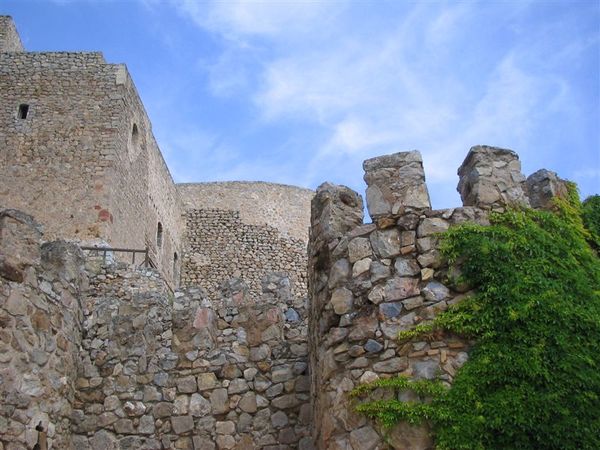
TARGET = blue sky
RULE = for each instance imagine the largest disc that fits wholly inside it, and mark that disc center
(301, 92)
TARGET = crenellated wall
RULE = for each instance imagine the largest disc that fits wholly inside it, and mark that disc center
(368, 282)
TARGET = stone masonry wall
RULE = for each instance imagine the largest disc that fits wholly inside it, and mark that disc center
(286, 208)
(75, 161)
(184, 372)
(220, 246)
(141, 189)
(367, 282)
(40, 334)
(53, 163)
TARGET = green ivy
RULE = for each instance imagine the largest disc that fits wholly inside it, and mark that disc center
(532, 380)
(591, 218)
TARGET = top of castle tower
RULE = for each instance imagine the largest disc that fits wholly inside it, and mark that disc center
(9, 37)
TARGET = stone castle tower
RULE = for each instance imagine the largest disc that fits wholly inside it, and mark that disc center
(266, 305)
(78, 153)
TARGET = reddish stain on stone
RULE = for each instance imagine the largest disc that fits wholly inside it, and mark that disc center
(104, 215)
(238, 298)
(273, 315)
(204, 318)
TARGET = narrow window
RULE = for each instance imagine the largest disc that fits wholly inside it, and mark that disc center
(135, 135)
(23, 111)
(175, 258)
(159, 235)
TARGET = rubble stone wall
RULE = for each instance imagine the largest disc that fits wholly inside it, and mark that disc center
(368, 282)
(286, 208)
(220, 246)
(163, 371)
(40, 334)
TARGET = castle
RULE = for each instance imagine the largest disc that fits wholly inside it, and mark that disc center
(235, 336)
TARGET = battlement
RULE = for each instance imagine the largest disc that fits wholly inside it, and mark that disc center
(368, 282)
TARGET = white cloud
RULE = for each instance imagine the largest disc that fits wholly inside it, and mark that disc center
(235, 18)
(375, 84)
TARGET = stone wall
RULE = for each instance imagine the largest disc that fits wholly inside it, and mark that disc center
(220, 246)
(368, 282)
(9, 38)
(161, 371)
(73, 159)
(40, 334)
(95, 356)
(286, 208)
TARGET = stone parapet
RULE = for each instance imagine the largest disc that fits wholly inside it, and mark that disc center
(543, 186)
(187, 372)
(491, 177)
(369, 282)
(395, 185)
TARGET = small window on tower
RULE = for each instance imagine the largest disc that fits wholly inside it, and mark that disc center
(135, 135)
(23, 111)
(159, 235)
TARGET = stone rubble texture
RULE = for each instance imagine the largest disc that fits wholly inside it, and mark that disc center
(247, 340)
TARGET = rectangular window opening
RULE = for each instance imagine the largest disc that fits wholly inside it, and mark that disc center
(23, 111)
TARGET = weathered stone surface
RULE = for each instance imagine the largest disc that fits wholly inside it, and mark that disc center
(162, 409)
(207, 381)
(182, 424)
(199, 406)
(219, 401)
(19, 243)
(405, 436)
(187, 385)
(373, 346)
(361, 267)
(491, 176)
(386, 243)
(543, 186)
(286, 401)
(365, 438)
(359, 248)
(406, 267)
(390, 310)
(435, 291)
(248, 402)
(342, 300)
(399, 288)
(392, 365)
(340, 272)
(432, 226)
(425, 369)
(395, 183)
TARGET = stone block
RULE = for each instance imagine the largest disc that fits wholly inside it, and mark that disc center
(491, 177)
(543, 186)
(395, 185)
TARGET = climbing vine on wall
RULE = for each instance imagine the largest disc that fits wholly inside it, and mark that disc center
(533, 377)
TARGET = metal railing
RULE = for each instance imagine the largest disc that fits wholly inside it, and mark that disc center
(105, 251)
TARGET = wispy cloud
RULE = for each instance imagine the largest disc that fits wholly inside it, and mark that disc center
(439, 77)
